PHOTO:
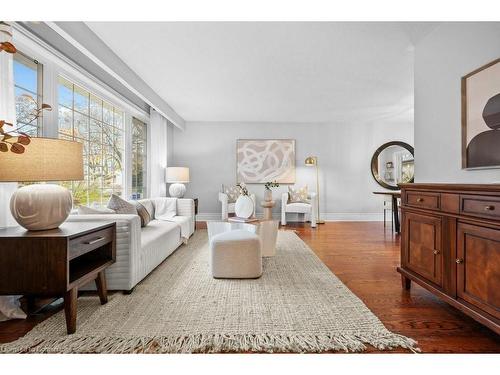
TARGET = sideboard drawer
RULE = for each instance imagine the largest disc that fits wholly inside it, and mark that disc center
(487, 207)
(423, 200)
(88, 242)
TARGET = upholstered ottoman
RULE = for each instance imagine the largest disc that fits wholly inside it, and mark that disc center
(236, 255)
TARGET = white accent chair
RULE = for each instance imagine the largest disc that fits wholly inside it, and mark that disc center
(309, 208)
(228, 208)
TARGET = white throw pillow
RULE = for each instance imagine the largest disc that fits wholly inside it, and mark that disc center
(297, 195)
(121, 206)
(232, 192)
(84, 210)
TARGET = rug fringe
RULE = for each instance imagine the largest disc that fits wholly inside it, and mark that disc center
(214, 343)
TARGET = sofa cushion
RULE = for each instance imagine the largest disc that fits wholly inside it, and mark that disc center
(121, 206)
(298, 207)
(157, 231)
(84, 210)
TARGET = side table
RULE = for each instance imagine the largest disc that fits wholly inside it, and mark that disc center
(57, 262)
(267, 207)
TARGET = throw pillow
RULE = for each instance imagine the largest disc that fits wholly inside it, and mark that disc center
(84, 210)
(232, 192)
(297, 195)
(142, 212)
(121, 206)
(148, 204)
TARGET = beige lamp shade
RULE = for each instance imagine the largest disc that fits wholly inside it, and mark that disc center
(177, 175)
(44, 159)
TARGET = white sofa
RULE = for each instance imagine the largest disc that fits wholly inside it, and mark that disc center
(140, 250)
(300, 208)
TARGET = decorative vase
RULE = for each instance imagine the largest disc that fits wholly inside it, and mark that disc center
(41, 206)
(268, 195)
(243, 207)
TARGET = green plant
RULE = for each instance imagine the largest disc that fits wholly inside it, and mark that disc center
(271, 184)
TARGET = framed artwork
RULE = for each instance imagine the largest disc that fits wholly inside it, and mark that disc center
(261, 160)
(481, 117)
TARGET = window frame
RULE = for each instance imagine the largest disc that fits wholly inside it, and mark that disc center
(54, 65)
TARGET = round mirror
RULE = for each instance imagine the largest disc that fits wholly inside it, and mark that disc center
(393, 164)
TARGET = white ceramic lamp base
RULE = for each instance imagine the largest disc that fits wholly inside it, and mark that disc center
(41, 206)
(177, 190)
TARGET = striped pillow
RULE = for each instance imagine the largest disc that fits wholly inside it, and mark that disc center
(143, 213)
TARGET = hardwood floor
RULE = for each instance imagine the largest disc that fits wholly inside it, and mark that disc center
(364, 256)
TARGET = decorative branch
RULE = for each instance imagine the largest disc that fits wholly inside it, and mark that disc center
(14, 140)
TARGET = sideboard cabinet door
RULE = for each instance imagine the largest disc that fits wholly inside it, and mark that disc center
(478, 267)
(422, 246)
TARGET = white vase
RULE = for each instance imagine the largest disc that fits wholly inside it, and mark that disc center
(244, 207)
(268, 195)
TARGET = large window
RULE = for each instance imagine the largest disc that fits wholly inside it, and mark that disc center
(99, 125)
(139, 159)
(28, 91)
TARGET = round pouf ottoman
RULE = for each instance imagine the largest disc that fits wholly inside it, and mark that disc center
(236, 255)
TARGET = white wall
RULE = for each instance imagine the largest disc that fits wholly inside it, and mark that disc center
(449, 52)
(344, 152)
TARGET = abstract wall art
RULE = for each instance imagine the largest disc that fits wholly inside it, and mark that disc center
(481, 117)
(261, 160)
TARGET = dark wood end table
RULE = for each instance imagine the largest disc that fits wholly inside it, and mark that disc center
(57, 262)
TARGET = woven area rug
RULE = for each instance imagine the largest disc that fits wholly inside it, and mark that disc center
(298, 305)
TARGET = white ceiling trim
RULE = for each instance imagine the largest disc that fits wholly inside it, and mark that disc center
(159, 105)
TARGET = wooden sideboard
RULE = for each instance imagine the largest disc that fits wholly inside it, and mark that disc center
(450, 245)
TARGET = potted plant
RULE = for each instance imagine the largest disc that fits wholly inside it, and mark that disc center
(268, 194)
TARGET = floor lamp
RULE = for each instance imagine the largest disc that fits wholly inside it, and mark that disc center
(312, 161)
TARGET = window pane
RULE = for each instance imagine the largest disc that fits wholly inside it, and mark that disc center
(65, 90)
(65, 122)
(25, 74)
(28, 94)
(139, 158)
(26, 106)
(81, 126)
(102, 141)
(81, 100)
(95, 107)
(107, 113)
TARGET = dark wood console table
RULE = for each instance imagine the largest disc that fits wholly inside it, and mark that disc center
(450, 245)
(57, 262)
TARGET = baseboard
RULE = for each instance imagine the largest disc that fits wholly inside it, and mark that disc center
(347, 216)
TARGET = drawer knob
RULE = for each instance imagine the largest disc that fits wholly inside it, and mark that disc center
(459, 261)
(420, 200)
(489, 208)
(436, 252)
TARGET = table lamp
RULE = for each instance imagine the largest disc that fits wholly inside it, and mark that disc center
(312, 161)
(42, 206)
(177, 176)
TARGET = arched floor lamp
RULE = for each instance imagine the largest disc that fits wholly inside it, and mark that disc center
(312, 161)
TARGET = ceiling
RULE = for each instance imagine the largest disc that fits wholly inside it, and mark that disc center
(273, 71)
